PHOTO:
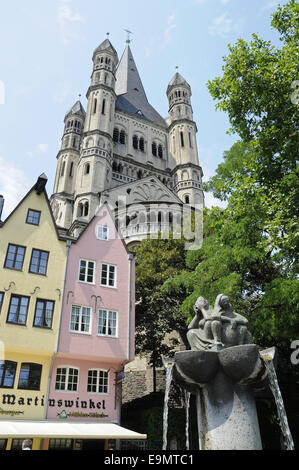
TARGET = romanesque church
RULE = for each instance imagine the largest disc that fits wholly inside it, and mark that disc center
(120, 151)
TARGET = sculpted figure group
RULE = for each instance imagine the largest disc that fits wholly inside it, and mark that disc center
(217, 328)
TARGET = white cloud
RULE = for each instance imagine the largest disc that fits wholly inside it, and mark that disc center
(39, 149)
(66, 19)
(170, 27)
(12, 184)
(221, 26)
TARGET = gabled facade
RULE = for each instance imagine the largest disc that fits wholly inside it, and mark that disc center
(120, 140)
(32, 266)
(97, 326)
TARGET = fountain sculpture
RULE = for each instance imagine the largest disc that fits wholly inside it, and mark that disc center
(223, 368)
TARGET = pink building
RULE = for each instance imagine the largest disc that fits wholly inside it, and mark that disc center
(97, 326)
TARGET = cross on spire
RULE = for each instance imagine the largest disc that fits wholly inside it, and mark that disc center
(128, 36)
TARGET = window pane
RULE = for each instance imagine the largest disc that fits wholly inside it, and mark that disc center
(33, 217)
(14, 257)
(111, 275)
(7, 373)
(30, 376)
(18, 310)
(75, 318)
(39, 261)
(104, 274)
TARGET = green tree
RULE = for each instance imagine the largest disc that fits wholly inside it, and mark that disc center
(156, 261)
(256, 91)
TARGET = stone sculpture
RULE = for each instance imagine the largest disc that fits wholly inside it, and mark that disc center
(222, 369)
(217, 328)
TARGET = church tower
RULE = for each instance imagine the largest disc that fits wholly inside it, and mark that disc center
(121, 151)
(95, 163)
(67, 165)
(187, 174)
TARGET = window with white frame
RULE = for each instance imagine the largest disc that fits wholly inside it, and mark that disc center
(67, 379)
(108, 275)
(80, 319)
(97, 381)
(107, 323)
(86, 271)
(102, 232)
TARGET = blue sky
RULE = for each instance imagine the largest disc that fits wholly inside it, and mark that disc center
(45, 63)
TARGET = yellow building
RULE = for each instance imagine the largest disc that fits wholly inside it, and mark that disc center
(32, 268)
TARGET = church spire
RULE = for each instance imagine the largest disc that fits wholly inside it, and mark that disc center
(131, 94)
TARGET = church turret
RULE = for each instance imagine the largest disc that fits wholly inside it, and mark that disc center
(187, 174)
(95, 164)
(68, 159)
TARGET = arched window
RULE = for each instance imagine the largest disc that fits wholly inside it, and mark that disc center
(80, 209)
(182, 139)
(141, 144)
(116, 135)
(87, 169)
(122, 137)
(62, 169)
(160, 151)
(86, 209)
(187, 199)
(103, 106)
(139, 174)
(71, 169)
(135, 142)
(95, 104)
(154, 149)
(114, 166)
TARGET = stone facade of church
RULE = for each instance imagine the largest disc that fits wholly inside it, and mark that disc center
(120, 151)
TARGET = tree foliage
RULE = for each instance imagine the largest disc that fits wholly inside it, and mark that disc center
(156, 261)
(250, 248)
(256, 91)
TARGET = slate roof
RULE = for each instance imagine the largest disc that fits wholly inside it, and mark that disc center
(77, 109)
(105, 45)
(176, 80)
(131, 94)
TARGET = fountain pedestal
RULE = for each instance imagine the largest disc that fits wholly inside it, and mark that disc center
(227, 417)
(222, 382)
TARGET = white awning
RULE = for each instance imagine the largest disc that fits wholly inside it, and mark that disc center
(65, 430)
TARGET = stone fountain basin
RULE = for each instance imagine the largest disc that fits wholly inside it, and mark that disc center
(195, 367)
(242, 364)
